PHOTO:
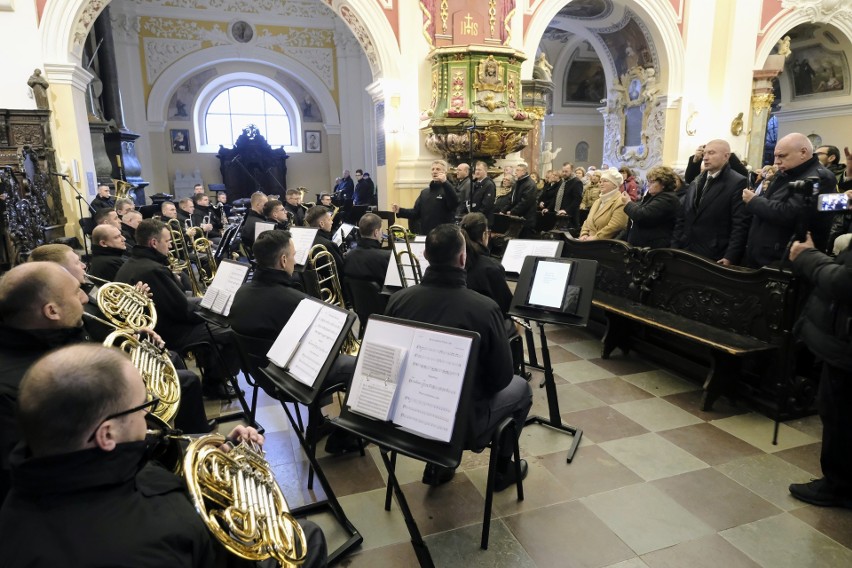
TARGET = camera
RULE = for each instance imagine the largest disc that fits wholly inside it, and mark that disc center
(805, 187)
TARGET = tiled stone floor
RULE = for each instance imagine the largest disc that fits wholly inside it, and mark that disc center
(656, 483)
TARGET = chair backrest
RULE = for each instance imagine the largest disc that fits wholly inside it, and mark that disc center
(368, 299)
(252, 352)
(87, 224)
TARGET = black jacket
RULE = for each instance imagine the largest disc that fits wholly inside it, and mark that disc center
(368, 261)
(826, 321)
(776, 212)
(435, 206)
(296, 214)
(364, 190)
(324, 238)
(213, 215)
(106, 261)
(176, 316)
(442, 298)
(101, 203)
(345, 188)
(247, 231)
(653, 220)
(129, 236)
(522, 201)
(718, 227)
(263, 306)
(463, 192)
(482, 197)
(571, 198)
(488, 277)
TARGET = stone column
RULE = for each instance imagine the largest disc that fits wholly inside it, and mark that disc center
(762, 97)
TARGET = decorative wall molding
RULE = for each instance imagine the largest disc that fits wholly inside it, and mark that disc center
(288, 8)
(85, 20)
(125, 26)
(7, 5)
(160, 53)
(363, 37)
(812, 113)
(823, 11)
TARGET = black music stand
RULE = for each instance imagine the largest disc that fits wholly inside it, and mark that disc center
(392, 439)
(584, 277)
(294, 390)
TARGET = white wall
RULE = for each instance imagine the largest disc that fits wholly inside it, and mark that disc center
(20, 44)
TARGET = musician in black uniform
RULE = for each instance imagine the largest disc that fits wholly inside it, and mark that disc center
(83, 472)
(294, 208)
(484, 274)
(442, 298)
(253, 215)
(368, 260)
(103, 200)
(129, 223)
(206, 217)
(320, 218)
(108, 252)
(436, 204)
(274, 212)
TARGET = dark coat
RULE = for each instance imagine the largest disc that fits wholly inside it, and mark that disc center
(482, 197)
(776, 212)
(345, 188)
(826, 321)
(129, 236)
(571, 198)
(262, 307)
(105, 262)
(718, 227)
(247, 231)
(324, 238)
(296, 214)
(463, 191)
(364, 190)
(442, 298)
(176, 316)
(522, 201)
(368, 261)
(435, 206)
(101, 203)
(213, 215)
(488, 277)
(653, 219)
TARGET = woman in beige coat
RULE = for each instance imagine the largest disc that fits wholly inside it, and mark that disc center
(607, 217)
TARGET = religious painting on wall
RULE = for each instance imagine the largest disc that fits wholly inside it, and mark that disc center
(180, 141)
(628, 47)
(815, 71)
(584, 82)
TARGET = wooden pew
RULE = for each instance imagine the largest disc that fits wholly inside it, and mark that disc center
(733, 318)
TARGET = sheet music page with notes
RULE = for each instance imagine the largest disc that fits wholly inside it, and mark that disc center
(375, 380)
(429, 387)
(315, 347)
(392, 273)
(303, 238)
(341, 233)
(291, 335)
(518, 249)
(219, 295)
(262, 227)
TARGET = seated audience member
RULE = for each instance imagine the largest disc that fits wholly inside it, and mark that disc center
(273, 285)
(82, 418)
(368, 260)
(320, 218)
(606, 217)
(443, 298)
(108, 252)
(123, 206)
(436, 204)
(274, 212)
(190, 417)
(253, 214)
(294, 208)
(713, 221)
(522, 200)
(591, 193)
(129, 223)
(177, 320)
(777, 210)
(103, 200)
(484, 274)
(206, 217)
(653, 218)
(105, 216)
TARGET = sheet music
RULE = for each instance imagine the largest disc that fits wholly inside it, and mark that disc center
(312, 353)
(374, 382)
(303, 238)
(392, 273)
(220, 294)
(209, 298)
(548, 283)
(518, 249)
(297, 326)
(262, 227)
(342, 232)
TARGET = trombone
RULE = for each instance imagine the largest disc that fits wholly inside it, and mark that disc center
(328, 289)
(414, 273)
(180, 258)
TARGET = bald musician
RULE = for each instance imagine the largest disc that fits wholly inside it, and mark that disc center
(253, 215)
(108, 252)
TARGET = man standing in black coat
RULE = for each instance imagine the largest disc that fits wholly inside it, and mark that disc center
(565, 198)
(436, 204)
(86, 472)
(713, 221)
(826, 328)
(108, 252)
(522, 201)
(368, 261)
(484, 192)
(364, 190)
(777, 211)
(443, 298)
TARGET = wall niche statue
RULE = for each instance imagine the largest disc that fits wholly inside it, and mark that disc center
(634, 118)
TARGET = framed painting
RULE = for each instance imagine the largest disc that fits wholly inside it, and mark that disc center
(313, 142)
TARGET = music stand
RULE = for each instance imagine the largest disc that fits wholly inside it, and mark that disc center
(583, 276)
(293, 389)
(392, 439)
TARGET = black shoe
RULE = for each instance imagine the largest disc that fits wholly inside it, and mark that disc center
(818, 493)
(341, 442)
(436, 475)
(219, 390)
(507, 479)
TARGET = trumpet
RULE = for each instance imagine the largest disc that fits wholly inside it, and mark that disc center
(236, 495)
(414, 273)
(329, 290)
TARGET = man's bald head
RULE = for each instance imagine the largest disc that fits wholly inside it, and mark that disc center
(716, 155)
(793, 150)
(258, 200)
(40, 295)
(66, 393)
(108, 236)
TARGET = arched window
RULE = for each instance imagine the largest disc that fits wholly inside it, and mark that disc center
(236, 107)
(581, 152)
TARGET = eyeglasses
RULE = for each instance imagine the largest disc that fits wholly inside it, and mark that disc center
(149, 406)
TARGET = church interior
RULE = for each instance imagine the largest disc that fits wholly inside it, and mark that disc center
(155, 94)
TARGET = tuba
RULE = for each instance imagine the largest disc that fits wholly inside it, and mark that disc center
(122, 188)
(127, 311)
(236, 495)
(413, 274)
(328, 289)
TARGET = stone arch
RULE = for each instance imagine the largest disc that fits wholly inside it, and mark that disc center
(561, 64)
(659, 18)
(171, 78)
(789, 21)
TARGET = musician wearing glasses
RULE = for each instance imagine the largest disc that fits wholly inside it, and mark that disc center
(273, 285)
(443, 298)
(368, 260)
(294, 207)
(435, 205)
(253, 215)
(108, 252)
(84, 477)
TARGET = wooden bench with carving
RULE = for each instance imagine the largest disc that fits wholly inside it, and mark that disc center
(728, 317)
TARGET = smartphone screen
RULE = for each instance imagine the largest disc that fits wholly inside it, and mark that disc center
(833, 202)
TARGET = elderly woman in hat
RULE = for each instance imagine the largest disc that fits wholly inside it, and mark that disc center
(606, 218)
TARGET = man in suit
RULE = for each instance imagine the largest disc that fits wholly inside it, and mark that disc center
(713, 221)
(522, 200)
(565, 197)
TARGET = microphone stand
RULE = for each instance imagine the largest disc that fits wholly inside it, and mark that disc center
(278, 183)
(80, 201)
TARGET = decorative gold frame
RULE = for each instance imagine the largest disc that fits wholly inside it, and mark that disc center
(636, 88)
(486, 82)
